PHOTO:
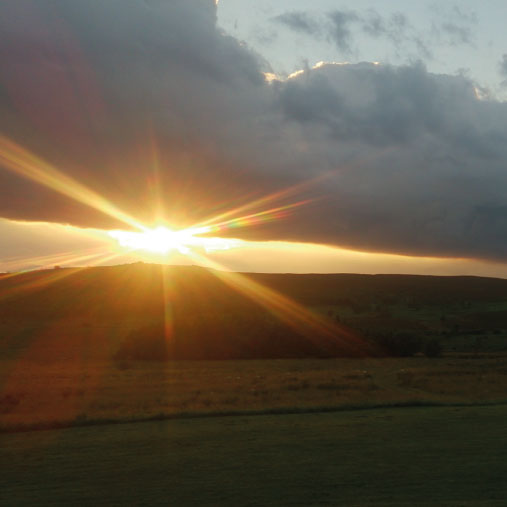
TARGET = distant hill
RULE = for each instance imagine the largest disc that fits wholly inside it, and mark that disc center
(145, 311)
(334, 288)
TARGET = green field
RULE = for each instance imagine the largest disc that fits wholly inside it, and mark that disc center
(448, 456)
(286, 394)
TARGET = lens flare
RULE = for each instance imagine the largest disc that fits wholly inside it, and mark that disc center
(252, 219)
(163, 240)
(24, 163)
(306, 322)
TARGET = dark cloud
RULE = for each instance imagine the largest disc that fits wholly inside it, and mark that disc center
(454, 26)
(336, 26)
(299, 22)
(503, 66)
(340, 31)
(147, 100)
(457, 34)
(431, 157)
(87, 84)
(502, 69)
(451, 26)
(395, 28)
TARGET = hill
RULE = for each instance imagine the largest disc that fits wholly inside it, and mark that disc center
(145, 311)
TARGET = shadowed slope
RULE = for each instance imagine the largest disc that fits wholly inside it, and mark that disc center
(171, 312)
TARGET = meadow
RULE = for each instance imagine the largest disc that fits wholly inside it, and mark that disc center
(74, 344)
(58, 394)
(243, 408)
(444, 456)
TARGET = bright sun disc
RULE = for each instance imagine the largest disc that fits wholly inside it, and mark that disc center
(162, 240)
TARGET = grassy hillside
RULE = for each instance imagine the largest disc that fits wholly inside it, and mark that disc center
(99, 344)
(144, 311)
(154, 312)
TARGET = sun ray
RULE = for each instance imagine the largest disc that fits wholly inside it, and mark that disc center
(251, 219)
(167, 294)
(300, 318)
(61, 258)
(52, 276)
(298, 188)
(256, 203)
(36, 283)
(24, 163)
(162, 240)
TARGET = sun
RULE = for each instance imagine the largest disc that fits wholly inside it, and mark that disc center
(162, 240)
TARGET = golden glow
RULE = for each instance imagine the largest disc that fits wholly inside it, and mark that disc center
(163, 240)
(295, 74)
(270, 76)
(69, 246)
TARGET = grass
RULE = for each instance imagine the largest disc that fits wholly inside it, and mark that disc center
(441, 442)
(35, 394)
(419, 456)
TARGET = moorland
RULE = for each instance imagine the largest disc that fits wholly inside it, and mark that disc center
(385, 381)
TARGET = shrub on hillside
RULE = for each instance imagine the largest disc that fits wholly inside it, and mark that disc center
(402, 344)
(433, 348)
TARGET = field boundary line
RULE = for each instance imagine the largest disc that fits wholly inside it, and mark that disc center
(82, 421)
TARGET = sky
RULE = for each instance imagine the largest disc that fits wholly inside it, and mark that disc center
(450, 37)
(292, 136)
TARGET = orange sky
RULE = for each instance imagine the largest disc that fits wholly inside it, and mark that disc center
(32, 245)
